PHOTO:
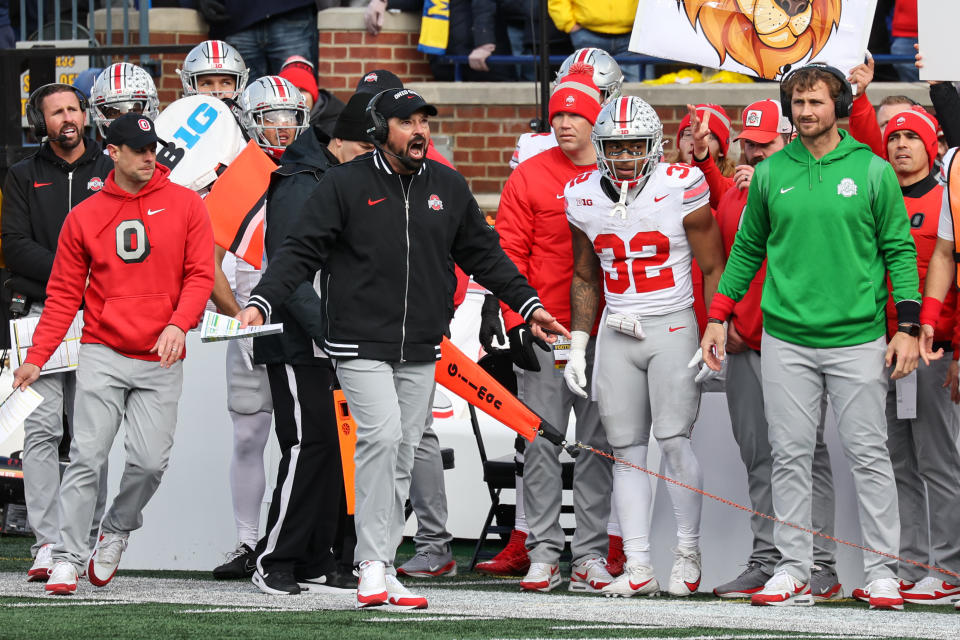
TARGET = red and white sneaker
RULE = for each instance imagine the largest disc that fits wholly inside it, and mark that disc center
(62, 580)
(542, 576)
(906, 585)
(590, 576)
(932, 590)
(512, 559)
(882, 593)
(42, 564)
(106, 558)
(615, 556)
(402, 598)
(636, 579)
(685, 574)
(372, 588)
(783, 590)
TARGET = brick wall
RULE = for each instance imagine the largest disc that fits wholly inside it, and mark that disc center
(478, 123)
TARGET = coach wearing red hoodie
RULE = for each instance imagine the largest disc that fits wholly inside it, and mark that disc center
(139, 255)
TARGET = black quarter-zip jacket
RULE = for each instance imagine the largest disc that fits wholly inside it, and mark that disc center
(37, 195)
(384, 241)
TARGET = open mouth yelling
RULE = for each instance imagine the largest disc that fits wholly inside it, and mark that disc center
(417, 149)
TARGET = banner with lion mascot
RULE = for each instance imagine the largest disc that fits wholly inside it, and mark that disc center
(762, 38)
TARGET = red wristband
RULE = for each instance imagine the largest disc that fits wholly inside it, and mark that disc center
(930, 311)
(721, 307)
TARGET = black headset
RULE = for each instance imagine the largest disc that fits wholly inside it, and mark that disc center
(842, 104)
(377, 127)
(35, 115)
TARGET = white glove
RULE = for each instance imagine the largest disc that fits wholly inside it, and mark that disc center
(706, 373)
(626, 324)
(575, 373)
(246, 351)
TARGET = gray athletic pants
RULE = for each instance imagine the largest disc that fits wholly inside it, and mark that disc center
(428, 494)
(546, 393)
(389, 401)
(745, 402)
(42, 433)
(924, 455)
(111, 389)
(855, 379)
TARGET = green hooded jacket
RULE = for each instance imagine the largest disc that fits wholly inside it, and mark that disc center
(830, 230)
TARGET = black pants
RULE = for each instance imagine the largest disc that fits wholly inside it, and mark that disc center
(308, 511)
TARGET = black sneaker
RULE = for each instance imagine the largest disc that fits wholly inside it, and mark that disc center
(335, 581)
(276, 583)
(241, 563)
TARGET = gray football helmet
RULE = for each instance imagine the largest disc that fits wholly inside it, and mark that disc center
(119, 89)
(212, 57)
(606, 72)
(274, 113)
(628, 119)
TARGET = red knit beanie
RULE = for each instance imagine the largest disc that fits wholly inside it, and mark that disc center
(922, 123)
(719, 124)
(576, 93)
(301, 74)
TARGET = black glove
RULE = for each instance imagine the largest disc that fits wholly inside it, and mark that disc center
(490, 325)
(521, 347)
(213, 11)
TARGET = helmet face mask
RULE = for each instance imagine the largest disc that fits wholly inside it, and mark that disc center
(274, 113)
(606, 72)
(628, 140)
(213, 58)
(119, 89)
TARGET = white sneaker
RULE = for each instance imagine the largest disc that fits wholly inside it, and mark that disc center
(541, 576)
(884, 593)
(105, 559)
(783, 590)
(930, 590)
(62, 580)
(401, 597)
(372, 589)
(685, 574)
(636, 579)
(42, 564)
(590, 576)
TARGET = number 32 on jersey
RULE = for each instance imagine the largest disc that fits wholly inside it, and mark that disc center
(635, 262)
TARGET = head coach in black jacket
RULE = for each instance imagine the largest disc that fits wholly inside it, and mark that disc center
(383, 228)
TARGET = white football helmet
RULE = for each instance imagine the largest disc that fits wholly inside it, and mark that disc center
(628, 119)
(120, 88)
(212, 57)
(606, 72)
(274, 113)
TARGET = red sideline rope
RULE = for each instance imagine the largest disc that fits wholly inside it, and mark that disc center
(762, 515)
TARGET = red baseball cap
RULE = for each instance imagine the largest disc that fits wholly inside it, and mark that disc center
(763, 121)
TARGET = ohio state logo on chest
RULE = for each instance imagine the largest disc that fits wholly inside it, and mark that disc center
(94, 184)
(434, 202)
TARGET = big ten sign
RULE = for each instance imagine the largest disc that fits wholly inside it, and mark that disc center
(67, 69)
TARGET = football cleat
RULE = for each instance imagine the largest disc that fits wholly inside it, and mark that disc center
(685, 574)
(615, 557)
(512, 559)
(636, 579)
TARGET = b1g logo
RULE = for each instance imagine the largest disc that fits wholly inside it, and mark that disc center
(132, 243)
(189, 134)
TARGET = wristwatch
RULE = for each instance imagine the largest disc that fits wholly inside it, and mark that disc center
(912, 330)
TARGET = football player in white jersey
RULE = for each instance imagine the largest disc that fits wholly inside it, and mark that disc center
(606, 75)
(636, 224)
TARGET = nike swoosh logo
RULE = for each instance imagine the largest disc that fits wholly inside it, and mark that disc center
(785, 190)
(672, 329)
(42, 184)
(582, 576)
(638, 586)
(373, 202)
(659, 199)
(561, 197)
(151, 212)
(693, 586)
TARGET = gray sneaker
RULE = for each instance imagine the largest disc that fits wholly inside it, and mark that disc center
(426, 564)
(744, 585)
(824, 584)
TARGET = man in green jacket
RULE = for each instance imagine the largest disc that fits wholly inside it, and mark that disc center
(828, 216)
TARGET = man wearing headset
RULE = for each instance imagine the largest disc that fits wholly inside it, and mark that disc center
(829, 218)
(386, 303)
(38, 193)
